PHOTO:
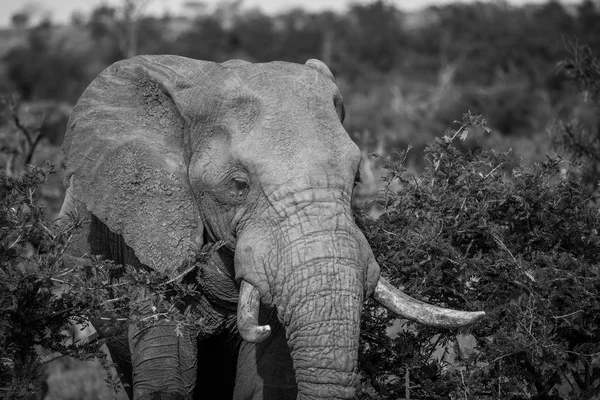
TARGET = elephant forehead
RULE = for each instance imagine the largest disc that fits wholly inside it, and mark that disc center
(277, 81)
(285, 153)
(280, 117)
(252, 95)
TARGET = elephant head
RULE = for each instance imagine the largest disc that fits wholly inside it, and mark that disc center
(170, 153)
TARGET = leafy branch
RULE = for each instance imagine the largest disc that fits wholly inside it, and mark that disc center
(470, 233)
(30, 136)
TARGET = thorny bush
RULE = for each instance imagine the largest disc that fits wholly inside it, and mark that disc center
(523, 245)
(36, 313)
(45, 294)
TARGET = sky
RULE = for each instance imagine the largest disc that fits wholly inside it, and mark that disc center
(61, 10)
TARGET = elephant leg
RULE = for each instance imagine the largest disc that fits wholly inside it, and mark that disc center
(265, 370)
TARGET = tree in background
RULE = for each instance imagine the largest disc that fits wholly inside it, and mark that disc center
(119, 27)
(206, 39)
(580, 135)
(374, 35)
(37, 312)
(45, 67)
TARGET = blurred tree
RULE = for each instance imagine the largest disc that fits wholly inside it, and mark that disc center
(118, 29)
(300, 36)
(78, 19)
(501, 38)
(101, 25)
(24, 127)
(374, 36)
(227, 12)
(207, 39)
(579, 135)
(20, 20)
(46, 67)
(25, 16)
(19, 146)
(152, 36)
(254, 37)
(588, 24)
(195, 7)
(132, 10)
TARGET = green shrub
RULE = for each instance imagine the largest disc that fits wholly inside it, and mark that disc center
(44, 292)
(523, 245)
(36, 311)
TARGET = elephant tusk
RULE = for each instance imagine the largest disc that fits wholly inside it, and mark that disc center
(415, 310)
(247, 315)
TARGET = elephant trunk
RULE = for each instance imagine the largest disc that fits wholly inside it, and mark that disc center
(322, 322)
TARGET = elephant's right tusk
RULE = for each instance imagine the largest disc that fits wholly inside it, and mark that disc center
(415, 310)
(247, 315)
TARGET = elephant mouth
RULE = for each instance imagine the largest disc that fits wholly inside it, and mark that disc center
(398, 302)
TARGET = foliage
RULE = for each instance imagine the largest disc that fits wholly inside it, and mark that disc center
(523, 245)
(35, 314)
(23, 143)
(44, 292)
(46, 66)
(580, 137)
(112, 293)
(374, 36)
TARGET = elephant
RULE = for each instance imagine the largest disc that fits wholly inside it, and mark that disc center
(165, 154)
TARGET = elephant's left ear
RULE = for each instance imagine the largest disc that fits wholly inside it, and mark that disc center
(126, 154)
(321, 67)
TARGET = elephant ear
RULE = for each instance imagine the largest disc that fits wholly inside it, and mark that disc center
(125, 157)
(234, 63)
(321, 67)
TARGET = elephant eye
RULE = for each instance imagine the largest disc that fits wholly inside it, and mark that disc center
(240, 187)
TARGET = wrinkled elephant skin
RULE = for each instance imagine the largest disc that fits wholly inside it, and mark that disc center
(166, 153)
